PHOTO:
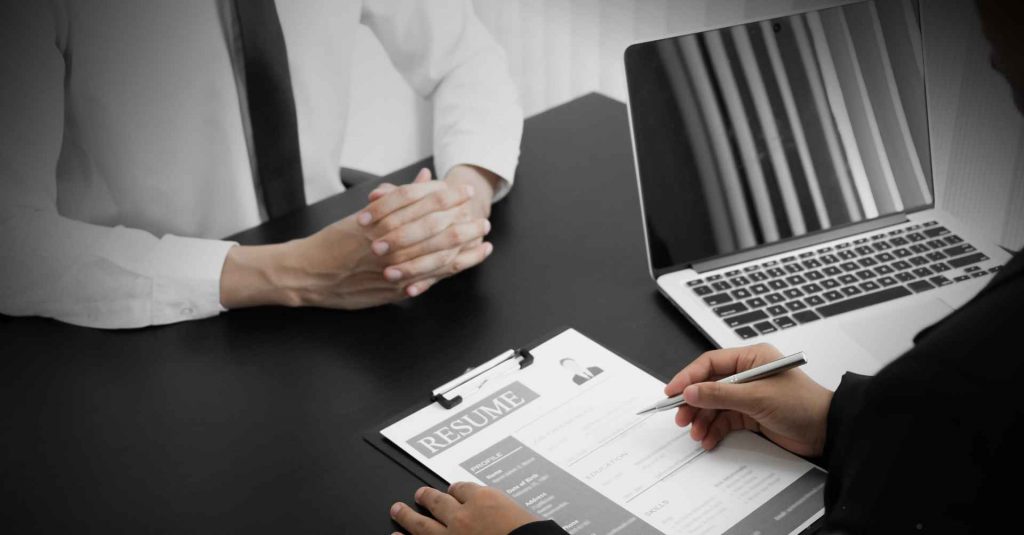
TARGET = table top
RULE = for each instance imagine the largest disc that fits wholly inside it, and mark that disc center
(253, 420)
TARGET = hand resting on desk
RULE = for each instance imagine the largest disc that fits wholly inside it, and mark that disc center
(467, 509)
(405, 240)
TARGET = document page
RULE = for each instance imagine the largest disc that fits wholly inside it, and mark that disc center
(562, 438)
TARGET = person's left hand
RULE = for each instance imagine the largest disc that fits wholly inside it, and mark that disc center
(467, 509)
(427, 231)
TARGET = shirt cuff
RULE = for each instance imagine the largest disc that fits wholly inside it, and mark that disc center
(186, 278)
(499, 162)
(846, 403)
(545, 527)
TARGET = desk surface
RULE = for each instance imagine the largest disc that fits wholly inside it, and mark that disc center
(253, 420)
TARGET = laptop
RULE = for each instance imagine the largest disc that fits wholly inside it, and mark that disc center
(785, 178)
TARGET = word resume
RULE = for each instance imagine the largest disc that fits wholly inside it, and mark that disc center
(561, 437)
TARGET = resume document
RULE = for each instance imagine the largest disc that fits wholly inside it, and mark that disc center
(562, 438)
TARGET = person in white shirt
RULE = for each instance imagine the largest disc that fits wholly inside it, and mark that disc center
(127, 154)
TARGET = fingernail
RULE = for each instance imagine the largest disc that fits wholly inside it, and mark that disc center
(691, 394)
(414, 290)
(392, 274)
(380, 247)
(469, 190)
(488, 249)
(419, 493)
(487, 226)
(364, 218)
(395, 509)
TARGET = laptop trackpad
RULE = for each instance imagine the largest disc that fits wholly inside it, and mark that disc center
(889, 331)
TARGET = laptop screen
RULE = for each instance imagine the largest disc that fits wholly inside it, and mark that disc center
(767, 131)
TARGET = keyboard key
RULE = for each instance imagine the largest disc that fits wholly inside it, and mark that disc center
(785, 322)
(882, 246)
(954, 239)
(866, 274)
(806, 316)
(774, 298)
(717, 299)
(919, 249)
(847, 255)
(833, 295)
(832, 271)
(902, 253)
(927, 224)
(829, 259)
(758, 276)
(867, 262)
(795, 279)
(807, 254)
(920, 286)
(764, 327)
(756, 302)
(849, 266)
(743, 319)
(967, 260)
(884, 270)
(994, 269)
(828, 284)
(746, 332)
(913, 227)
(886, 281)
(922, 272)
(759, 288)
(936, 231)
(885, 257)
(848, 279)
(869, 286)
(739, 281)
(940, 267)
(936, 244)
(865, 300)
(732, 273)
(824, 250)
(730, 309)
(878, 237)
(915, 237)
(721, 285)
(851, 291)
(905, 276)
(962, 278)
(777, 309)
(972, 269)
(742, 293)
(795, 306)
(958, 250)
(814, 301)
(979, 274)
(814, 275)
(695, 282)
(792, 293)
(896, 232)
(918, 260)
(859, 241)
(789, 259)
(940, 281)
(899, 241)
(777, 284)
(811, 288)
(776, 272)
(714, 277)
(770, 263)
(812, 264)
(748, 269)
(701, 290)
(864, 250)
(793, 268)
(901, 265)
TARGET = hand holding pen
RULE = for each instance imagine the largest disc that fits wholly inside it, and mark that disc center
(789, 408)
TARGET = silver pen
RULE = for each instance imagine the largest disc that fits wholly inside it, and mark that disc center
(753, 374)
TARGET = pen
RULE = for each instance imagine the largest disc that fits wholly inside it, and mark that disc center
(753, 374)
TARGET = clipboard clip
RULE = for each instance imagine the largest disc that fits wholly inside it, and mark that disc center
(447, 394)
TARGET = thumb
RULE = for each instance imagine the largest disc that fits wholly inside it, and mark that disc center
(422, 176)
(730, 397)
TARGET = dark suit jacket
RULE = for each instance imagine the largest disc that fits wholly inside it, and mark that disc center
(933, 443)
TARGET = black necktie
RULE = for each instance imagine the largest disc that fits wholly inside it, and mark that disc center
(275, 132)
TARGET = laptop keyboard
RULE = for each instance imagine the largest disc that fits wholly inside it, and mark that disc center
(832, 280)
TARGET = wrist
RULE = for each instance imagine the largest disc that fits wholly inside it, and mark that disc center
(485, 183)
(256, 276)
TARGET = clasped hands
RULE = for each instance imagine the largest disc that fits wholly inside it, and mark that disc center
(405, 240)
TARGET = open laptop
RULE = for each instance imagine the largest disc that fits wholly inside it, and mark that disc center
(784, 168)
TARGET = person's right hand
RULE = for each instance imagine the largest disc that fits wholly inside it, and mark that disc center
(788, 408)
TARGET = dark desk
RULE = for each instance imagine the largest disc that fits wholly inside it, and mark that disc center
(252, 421)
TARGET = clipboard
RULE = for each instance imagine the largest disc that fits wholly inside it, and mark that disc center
(448, 396)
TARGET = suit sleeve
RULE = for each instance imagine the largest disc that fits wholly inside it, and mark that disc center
(445, 53)
(547, 527)
(846, 403)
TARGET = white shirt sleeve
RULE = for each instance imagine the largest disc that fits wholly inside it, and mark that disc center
(61, 268)
(445, 53)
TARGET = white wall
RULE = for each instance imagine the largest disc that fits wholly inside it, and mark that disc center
(561, 49)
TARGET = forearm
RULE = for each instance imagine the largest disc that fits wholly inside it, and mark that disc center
(257, 275)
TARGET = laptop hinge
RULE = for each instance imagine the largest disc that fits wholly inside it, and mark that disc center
(818, 238)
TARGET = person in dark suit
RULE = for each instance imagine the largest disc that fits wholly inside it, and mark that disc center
(929, 444)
